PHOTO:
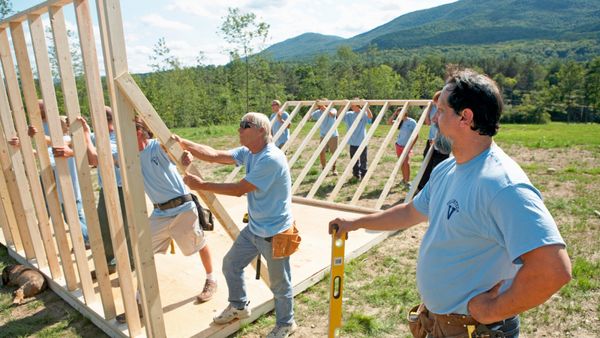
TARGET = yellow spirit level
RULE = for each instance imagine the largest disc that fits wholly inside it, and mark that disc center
(337, 283)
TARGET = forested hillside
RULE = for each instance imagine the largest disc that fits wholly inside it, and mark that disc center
(560, 89)
(465, 22)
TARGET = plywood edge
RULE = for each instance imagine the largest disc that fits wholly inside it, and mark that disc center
(333, 205)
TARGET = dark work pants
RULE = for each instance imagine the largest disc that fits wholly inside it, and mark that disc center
(105, 230)
(436, 158)
(359, 169)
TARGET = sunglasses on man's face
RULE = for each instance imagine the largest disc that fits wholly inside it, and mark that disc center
(246, 124)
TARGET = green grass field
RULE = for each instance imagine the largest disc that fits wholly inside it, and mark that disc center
(380, 285)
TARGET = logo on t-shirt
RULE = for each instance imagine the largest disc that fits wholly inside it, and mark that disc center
(155, 160)
(452, 208)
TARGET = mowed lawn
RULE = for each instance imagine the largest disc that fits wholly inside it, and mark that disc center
(562, 160)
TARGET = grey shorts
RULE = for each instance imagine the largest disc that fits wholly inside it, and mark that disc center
(184, 228)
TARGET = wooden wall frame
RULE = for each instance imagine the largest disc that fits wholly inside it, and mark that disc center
(46, 238)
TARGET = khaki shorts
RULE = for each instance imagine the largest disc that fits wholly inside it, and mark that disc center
(183, 228)
(331, 145)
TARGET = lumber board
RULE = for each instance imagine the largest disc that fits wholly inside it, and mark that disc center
(383, 148)
(298, 128)
(106, 165)
(14, 172)
(84, 176)
(19, 120)
(47, 173)
(7, 217)
(320, 148)
(35, 10)
(40, 49)
(308, 137)
(360, 149)
(338, 151)
(403, 157)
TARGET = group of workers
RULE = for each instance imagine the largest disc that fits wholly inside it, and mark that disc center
(491, 250)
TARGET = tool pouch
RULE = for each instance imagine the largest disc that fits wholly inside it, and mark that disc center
(416, 315)
(205, 217)
(286, 243)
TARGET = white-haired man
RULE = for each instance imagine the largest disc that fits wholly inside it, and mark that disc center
(268, 186)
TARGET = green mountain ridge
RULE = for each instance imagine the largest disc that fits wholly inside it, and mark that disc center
(465, 22)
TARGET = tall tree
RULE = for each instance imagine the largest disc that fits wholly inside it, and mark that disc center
(244, 35)
(5, 8)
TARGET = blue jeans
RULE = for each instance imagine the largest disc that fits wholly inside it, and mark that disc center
(82, 222)
(510, 327)
(245, 249)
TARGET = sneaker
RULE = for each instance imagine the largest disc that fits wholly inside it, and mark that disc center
(334, 173)
(231, 313)
(283, 331)
(122, 319)
(210, 287)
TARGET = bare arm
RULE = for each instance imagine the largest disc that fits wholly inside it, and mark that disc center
(231, 189)
(399, 217)
(92, 153)
(545, 270)
(204, 152)
(391, 119)
(369, 113)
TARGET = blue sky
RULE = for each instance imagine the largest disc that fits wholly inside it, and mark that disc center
(190, 26)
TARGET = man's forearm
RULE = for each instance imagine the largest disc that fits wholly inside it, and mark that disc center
(231, 189)
(545, 270)
(399, 217)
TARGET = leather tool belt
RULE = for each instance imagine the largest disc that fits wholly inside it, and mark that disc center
(286, 243)
(424, 323)
(173, 203)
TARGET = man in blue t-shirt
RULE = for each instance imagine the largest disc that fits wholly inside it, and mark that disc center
(326, 125)
(278, 118)
(175, 215)
(359, 170)
(492, 249)
(269, 189)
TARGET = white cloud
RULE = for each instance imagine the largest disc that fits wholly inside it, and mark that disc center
(156, 20)
(190, 26)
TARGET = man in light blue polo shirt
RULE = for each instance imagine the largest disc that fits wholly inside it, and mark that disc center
(359, 170)
(492, 249)
(278, 118)
(268, 186)
(326, 125)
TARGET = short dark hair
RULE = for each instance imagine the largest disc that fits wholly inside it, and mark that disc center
(141, 125)
(469, 89)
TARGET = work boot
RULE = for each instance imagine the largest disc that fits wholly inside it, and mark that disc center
(122, 319)
(231, 313)
(210, 287)
(283, 331)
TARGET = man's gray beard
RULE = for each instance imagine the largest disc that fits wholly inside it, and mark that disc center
(442, 144)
